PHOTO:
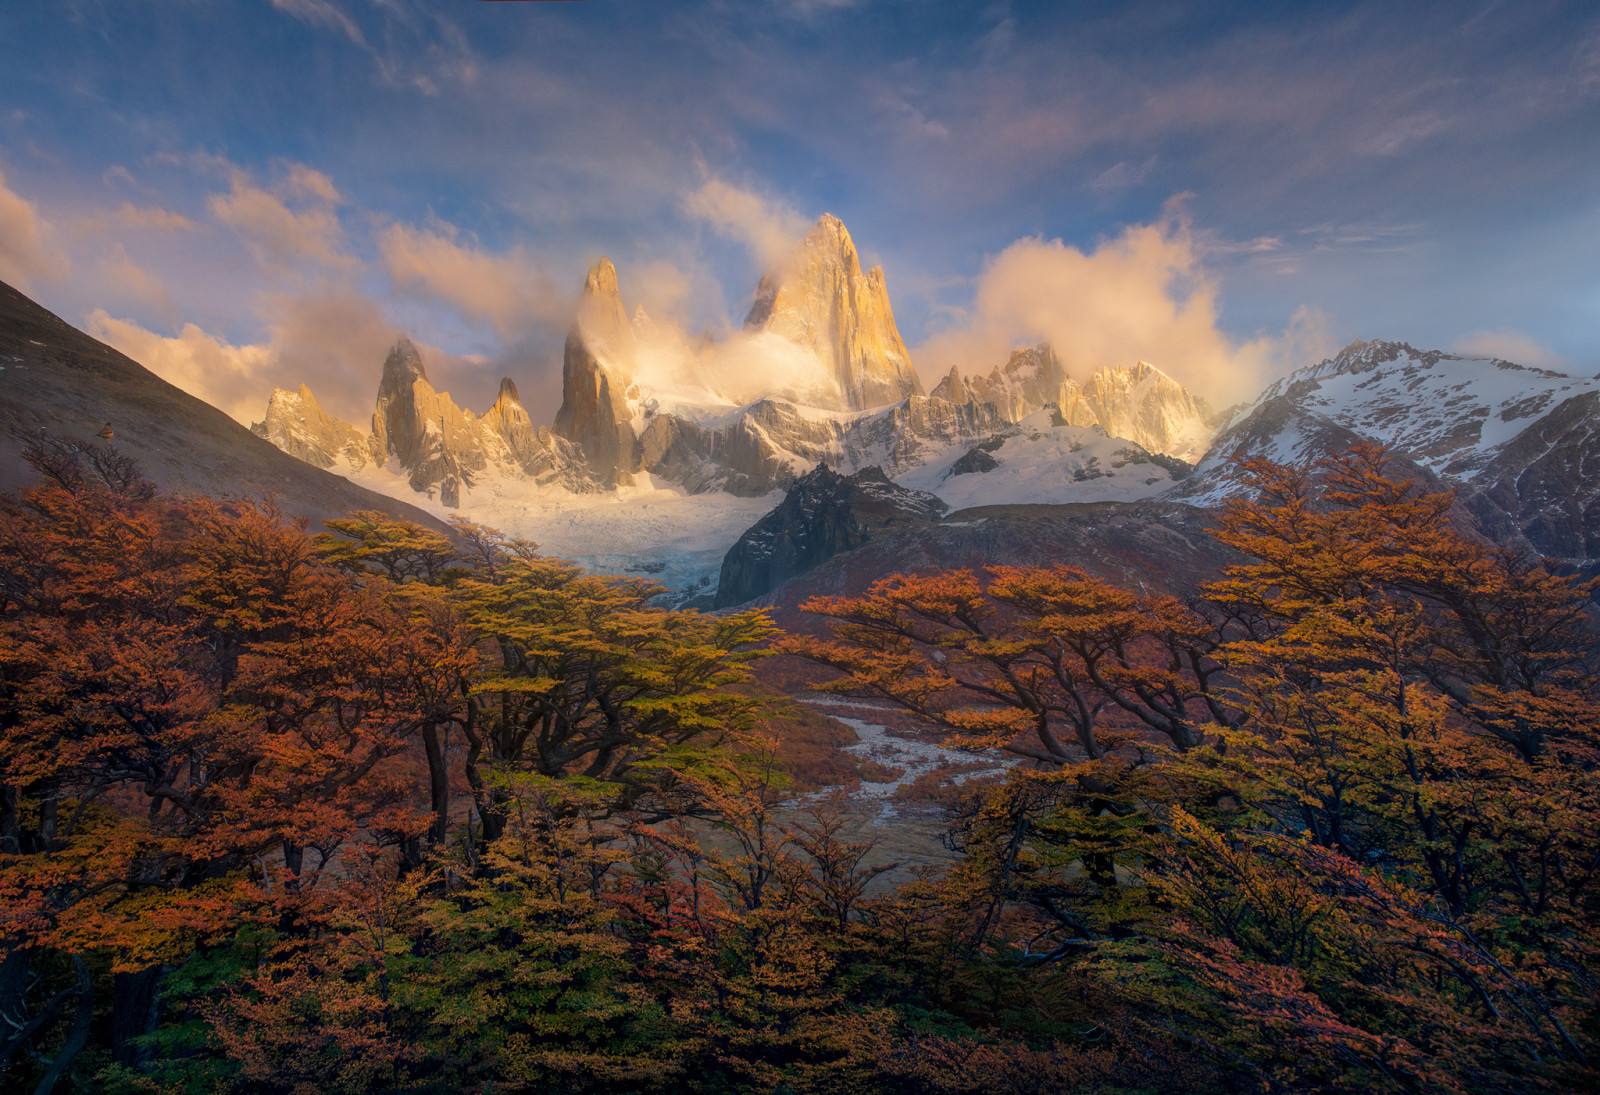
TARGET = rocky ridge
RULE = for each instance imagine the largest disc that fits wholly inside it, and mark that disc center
(823, 515)
(1520, 445)
(616, 427)
(442, 449)
(1138, 402)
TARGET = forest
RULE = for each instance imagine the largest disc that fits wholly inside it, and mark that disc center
(382, 810)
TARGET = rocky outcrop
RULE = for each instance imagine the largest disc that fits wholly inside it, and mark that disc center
(823, 515)
(820, 300)
(769, 444)
(952, 389)
(1030, 380)
(297, 424)
(1144, 404)
(1139, 402)
(438, 443)
(596, 373)
(443, 449)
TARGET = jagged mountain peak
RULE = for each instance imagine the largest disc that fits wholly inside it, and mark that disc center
(602, 320)
(952, 389)
(404, 363)
(820, 300)
(507, 392)
(1032, 359)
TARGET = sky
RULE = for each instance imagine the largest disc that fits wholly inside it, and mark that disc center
(249, 193)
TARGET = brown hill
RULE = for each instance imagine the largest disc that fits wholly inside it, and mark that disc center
(55, 378)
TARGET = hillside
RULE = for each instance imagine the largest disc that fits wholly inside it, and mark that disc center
(54, 377)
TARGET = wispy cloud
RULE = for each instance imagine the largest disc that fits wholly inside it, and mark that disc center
(28, 252)
(279, 235)
(325, 15)
(413, 45)
(1510, 345)
(510, 291)
(768, 226)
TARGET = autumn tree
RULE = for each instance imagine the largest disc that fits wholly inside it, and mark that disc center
(586, 675)
(192, 701)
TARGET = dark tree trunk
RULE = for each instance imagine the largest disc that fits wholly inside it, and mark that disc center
(410, 855)
(438, 783)
(77, 1037)
(13, 1005)
(135, 1011)
(10, 823)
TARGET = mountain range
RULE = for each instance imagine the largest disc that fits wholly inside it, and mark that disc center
(804, 443)
(820, 377)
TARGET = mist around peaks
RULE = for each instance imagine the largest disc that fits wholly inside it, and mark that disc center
(1143, 295)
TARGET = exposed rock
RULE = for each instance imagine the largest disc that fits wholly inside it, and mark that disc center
(976, 460)
(822, 301)
(823, 515)
(297, 424)
(771, 443)
(952, 389)
(595, 377)
(1547, 481)
(1029, 380)
(436, 441)
(443, 449)
(1139, 403)
(1144, 404)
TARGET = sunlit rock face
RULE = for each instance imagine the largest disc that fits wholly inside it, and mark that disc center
(442, 449)
(297, 424)
(952, 389)
(423, 430)
(596, 376)
(1144, 404)
(1029, 380)
(820, 300)
(1139, 402)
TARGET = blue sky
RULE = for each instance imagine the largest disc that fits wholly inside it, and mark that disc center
(250, 192)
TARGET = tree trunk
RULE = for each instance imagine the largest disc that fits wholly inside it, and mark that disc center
(10, 822)
(438, 783)
(77, 1037)
(135, 1011)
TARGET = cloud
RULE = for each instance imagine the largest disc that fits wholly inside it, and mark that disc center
(509, 291)
(277, 235)
(1122, 175)
(332, 339)
(660, 288)
(26, 252)
(418, 47)
(324, 15)
(129, 279)
(1509, 345)
(768, 227)
(1141, 295)
(231, 378)
(137, 218)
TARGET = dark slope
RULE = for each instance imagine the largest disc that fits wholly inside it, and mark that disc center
(1154, 546)
(55, 377)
